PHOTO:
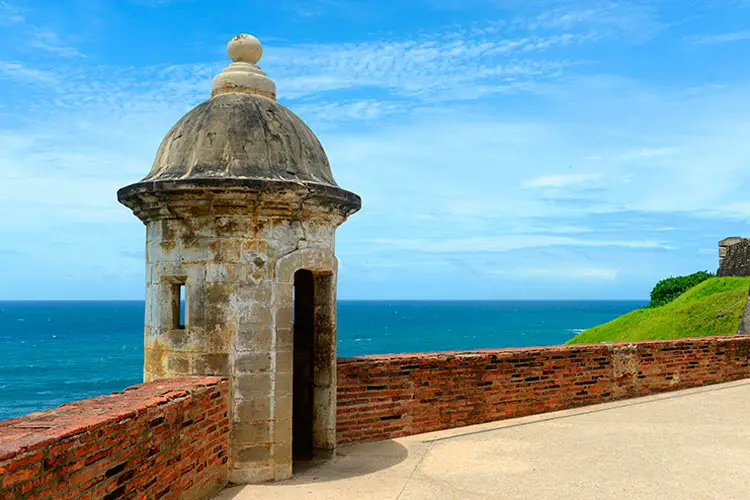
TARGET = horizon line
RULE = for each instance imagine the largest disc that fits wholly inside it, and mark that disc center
(368, 300)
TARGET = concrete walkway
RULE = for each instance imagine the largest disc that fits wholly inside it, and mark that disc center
(686, 445)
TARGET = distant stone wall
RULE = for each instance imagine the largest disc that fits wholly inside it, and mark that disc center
(166, 439)
(726, 243)
(383, 397)
(734, 258)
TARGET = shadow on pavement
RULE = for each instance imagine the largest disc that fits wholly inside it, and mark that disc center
(349, 461)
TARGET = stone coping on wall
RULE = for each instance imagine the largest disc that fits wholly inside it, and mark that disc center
(168, 437)
(366, 358)
(35, 430)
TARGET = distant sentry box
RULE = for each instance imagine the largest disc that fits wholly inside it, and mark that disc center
(734, 256)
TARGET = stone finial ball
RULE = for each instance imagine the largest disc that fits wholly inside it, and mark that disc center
(245, 48)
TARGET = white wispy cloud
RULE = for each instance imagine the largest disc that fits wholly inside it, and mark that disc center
(23, 73)
(159, 3)
(736, 209)
(49, 41)
(737, 36)
(575, 273)
(564, 271)
(595, 19)
(337, 111)
(648, 153)
(507, 242)
(421, 69)
(561, 181)
(603, 18)
(10, 14)
(411, 72)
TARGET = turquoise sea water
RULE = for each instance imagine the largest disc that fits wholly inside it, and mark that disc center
(55, 352)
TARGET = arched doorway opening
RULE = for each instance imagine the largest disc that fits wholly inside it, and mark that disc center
(303, 399)
(314, 367)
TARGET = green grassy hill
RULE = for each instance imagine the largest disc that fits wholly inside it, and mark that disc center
(714, 307)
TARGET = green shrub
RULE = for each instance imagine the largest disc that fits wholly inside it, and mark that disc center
(669, 289)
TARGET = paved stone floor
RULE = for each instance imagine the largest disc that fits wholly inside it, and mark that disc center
(685, 445)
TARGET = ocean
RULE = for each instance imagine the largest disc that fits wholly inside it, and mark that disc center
(56, 352)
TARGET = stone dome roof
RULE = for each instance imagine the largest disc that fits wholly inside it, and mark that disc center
(240, 138)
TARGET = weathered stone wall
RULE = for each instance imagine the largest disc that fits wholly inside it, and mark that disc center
(229, 269)
(166, 439)
(736, 259)
(726, 243)
(236, 253)
(383, 397)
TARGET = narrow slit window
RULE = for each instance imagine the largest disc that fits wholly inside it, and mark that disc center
(181, 319)
(178, 306)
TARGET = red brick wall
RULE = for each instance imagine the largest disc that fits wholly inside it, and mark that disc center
(381, 397)
(164, 439)
(169, 438)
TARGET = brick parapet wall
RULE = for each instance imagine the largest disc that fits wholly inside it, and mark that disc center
(164, 439)
(382, 397)
(169, 438)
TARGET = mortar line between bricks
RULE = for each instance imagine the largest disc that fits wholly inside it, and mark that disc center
(651, 398)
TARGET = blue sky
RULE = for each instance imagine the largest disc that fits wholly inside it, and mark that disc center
(503, 149)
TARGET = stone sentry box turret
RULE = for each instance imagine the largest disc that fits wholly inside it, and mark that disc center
(240, 209)
(734, 257)
(725, 244)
